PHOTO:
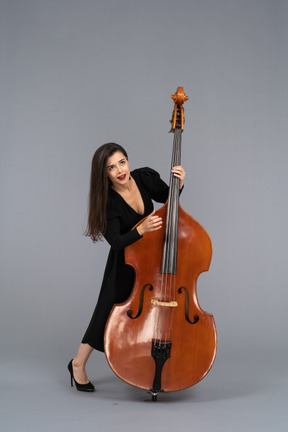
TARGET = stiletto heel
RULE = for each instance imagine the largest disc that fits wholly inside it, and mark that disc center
(89, 387)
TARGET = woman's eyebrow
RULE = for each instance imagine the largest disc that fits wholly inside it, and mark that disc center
(109, 166)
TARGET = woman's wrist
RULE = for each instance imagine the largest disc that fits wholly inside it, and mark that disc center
(140, 230)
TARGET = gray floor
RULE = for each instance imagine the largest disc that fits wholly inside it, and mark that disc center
(236, 395)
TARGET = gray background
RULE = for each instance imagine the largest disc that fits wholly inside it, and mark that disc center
(76, 74)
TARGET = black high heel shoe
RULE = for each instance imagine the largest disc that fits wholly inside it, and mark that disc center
(89, 387)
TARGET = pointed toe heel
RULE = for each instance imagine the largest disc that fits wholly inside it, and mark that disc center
(89, 387)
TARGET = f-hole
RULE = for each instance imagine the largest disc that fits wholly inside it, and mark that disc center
(196, 317)
(141, 301)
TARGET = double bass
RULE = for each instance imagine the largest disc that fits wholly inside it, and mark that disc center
(160, 340)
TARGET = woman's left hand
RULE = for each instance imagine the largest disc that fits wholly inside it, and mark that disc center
(179, 172)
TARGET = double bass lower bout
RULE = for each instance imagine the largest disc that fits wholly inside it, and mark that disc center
(160, 340)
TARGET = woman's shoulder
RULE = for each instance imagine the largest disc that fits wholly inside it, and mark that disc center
(152, 182)
(145, 174)
(112, 202)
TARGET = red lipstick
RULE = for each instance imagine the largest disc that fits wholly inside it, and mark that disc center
(122, 177)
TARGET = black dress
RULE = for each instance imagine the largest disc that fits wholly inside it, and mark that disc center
(118, 277)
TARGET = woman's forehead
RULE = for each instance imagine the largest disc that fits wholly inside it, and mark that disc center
(115, 158)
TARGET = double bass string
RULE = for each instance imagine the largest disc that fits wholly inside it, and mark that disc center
(176, 160)
(158, 332)
(164, 321)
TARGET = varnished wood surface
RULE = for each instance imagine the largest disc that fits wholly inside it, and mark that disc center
(128, 341)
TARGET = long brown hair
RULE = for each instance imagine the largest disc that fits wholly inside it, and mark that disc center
(99, 189)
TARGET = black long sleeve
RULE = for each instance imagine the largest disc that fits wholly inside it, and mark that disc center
(114, 237)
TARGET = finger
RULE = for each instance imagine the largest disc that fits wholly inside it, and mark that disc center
(179, 176)
(150, 216)
(179, 172)
(156, 227)
(156, 221)
(178, 168)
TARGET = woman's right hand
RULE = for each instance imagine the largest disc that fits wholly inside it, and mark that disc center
(151, 223)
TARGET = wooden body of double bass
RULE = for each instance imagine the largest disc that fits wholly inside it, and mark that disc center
(190, 330)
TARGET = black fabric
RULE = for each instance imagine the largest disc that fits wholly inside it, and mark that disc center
(118, 278)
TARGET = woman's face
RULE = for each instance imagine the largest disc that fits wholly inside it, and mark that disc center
(118, 169)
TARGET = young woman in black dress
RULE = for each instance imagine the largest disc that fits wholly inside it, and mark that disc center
(119, 199)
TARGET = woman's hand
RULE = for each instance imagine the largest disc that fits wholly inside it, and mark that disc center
(151, 223)
(179, 172)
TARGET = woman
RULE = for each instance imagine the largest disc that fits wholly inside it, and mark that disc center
(119, 199)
